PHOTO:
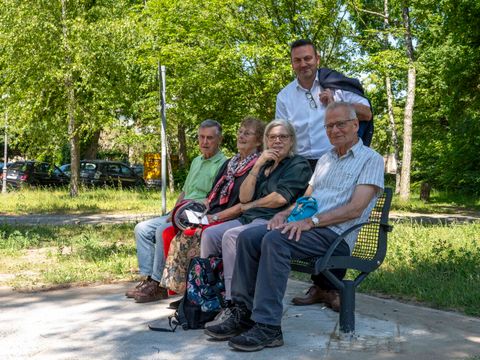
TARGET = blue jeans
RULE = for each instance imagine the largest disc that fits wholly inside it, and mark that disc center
(150, 253)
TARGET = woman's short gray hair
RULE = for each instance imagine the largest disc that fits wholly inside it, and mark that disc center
(287, 126)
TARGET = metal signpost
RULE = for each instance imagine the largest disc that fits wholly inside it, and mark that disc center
(161, 73)
(5, 151)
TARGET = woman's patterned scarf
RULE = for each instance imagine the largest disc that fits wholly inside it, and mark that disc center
(235, 168)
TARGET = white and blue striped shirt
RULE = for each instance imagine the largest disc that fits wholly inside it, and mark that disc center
(335, 179)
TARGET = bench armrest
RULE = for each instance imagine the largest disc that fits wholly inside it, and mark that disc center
(331, 249)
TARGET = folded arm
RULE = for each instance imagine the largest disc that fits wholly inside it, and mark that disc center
(364, 113)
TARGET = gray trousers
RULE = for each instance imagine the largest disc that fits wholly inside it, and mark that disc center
(221, 240)
(262, 267)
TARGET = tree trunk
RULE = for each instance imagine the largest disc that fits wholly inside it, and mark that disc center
(409, 104)
(182, 146)
(72, 127)
(171, 181)
(393, 129)
(91, 148)
(391, 117)
(74, 147)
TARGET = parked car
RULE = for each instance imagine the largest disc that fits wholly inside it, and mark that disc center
(138, 169)
(35, 173)
(1, 168)
(108, 173)
(66, 169)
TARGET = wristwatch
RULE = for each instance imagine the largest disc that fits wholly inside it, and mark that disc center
(215, 217)
(315, 220)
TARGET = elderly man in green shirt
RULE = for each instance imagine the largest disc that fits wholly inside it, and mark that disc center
(148, 234)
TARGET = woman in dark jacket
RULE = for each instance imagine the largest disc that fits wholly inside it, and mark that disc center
(276, 180)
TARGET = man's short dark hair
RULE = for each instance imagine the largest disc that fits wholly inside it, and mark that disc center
(302, 42)
(211, 123)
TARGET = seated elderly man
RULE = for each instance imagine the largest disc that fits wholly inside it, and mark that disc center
(346, 183)
(148, 234)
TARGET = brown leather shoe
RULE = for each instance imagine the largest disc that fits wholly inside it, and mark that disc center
(315, 295)
(331, 298)
(312, 296)
(132, 292)
(151, 292)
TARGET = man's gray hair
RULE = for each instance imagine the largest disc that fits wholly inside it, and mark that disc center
(287, 126)
(342, 104)
(211, 123)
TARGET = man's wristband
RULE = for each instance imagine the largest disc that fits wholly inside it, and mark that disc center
(253, 174)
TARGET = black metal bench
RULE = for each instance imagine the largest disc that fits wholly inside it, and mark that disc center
(368, 254)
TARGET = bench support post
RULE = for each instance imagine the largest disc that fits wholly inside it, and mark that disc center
(347, 307)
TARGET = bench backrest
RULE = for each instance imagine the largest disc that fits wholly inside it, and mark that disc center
(371, 241)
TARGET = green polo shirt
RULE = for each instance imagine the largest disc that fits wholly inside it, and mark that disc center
(200, 178)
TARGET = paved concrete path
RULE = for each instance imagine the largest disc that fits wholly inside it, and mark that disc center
(98, 322)
(435, 218)
(72, 219)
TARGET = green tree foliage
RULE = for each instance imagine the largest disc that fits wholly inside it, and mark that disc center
(227, 59)
(449, 109)
(446, 116)
(33, 63)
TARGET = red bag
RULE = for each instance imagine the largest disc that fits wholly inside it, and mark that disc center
(168, 235)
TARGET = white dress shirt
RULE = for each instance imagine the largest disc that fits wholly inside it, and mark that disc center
(308, 116)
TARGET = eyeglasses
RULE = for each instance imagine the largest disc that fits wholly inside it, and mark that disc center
(311, 100)
(281, 137)
(245, 133)
(339, 124)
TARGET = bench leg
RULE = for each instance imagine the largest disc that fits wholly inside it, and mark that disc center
(347, 307)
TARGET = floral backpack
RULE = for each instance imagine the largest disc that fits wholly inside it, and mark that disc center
(204, 295)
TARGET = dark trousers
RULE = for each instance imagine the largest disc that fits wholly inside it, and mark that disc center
(262, 267)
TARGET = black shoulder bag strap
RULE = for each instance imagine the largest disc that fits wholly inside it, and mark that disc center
(174, 320)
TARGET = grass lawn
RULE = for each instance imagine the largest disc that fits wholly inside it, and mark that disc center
(435, 264)
(92, 201)
(440, 202)
(49, 256)
(58, 201)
